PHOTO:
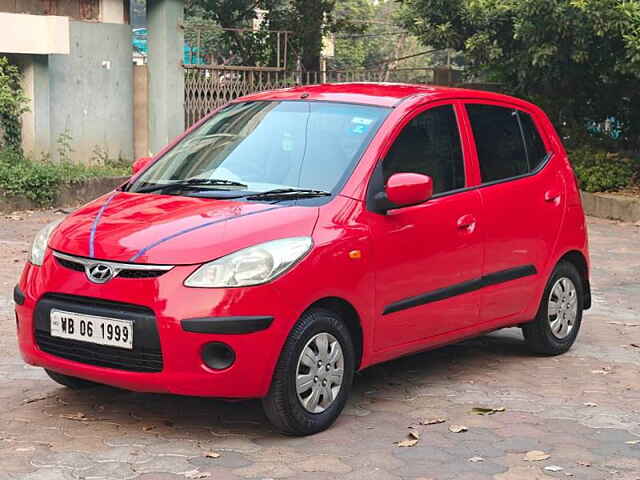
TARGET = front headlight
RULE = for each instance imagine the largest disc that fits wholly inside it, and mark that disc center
(39, 246)
(251, 266)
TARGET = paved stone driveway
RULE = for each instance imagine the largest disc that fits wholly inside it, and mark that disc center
(581, 409)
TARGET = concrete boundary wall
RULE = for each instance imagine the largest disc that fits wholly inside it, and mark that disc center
(70, 195)
(615, 207)
(600, 205)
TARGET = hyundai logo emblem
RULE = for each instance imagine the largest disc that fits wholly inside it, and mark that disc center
(99, 273)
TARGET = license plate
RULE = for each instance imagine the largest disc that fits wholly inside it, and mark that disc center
(92, 329)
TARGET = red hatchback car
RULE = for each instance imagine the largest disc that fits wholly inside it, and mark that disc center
(296, 236)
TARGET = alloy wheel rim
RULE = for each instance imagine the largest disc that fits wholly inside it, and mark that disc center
(319, 372)
(562, 309)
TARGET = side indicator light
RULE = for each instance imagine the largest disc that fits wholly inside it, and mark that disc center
(355, 254)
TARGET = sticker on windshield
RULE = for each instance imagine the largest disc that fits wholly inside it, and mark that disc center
(362, 120)
(360, 125)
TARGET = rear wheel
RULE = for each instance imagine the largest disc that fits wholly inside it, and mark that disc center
(73, 383)
(559, 316)
(313, 376)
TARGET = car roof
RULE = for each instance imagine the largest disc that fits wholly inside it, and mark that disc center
(378, 94)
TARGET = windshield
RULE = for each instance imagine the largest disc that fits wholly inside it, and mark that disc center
(262, 146)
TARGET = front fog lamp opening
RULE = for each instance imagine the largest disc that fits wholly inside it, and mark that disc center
(218, 355)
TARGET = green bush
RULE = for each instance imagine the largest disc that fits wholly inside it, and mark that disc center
(12, 104)
(601, 171)
(40, 181)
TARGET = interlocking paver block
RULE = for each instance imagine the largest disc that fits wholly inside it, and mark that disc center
(137, 436)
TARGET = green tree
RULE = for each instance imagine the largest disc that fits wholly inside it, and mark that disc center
(207, 18)
(579, 59)
(310, 21)
(354, 45)
(13, 103)
(307, 20)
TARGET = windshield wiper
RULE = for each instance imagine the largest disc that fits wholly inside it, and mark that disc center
(192, 183)
(285, 193)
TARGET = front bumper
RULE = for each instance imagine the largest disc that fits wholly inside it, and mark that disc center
(175, 322)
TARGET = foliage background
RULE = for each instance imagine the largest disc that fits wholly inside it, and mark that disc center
(578, 59)
(13, 103)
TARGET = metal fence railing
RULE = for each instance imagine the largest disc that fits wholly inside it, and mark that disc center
(209, 86)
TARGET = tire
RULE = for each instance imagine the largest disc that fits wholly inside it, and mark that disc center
(284, 405)
(549, 333)
(73, 383)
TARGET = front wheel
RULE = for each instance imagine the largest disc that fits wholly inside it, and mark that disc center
(313, 376)
(556, 326)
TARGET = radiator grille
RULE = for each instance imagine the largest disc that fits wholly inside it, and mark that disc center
(100, 355)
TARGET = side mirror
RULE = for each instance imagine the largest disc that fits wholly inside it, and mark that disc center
(139, 164)
(404, 189)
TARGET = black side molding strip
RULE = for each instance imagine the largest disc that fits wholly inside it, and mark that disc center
(508, 275)
(226, 325)
(460, 288)
(18, 296)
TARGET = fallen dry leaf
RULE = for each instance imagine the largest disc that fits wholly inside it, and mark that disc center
(636, 345)
(582, 463)
(148, 428)
(553, 468)
(536, 456)
(25, 449)
(35, 399)
(433, 421)
(632, 442)
(80, 417)
(486, 411)
(457, 428)
(476, 459)
(590, 404)
(212, 455)
(197, 474)
(410, 441)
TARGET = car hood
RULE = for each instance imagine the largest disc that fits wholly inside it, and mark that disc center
(164, 229)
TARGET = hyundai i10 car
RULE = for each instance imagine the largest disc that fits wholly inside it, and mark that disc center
(294, 237)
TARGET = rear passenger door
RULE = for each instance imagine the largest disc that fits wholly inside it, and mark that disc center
(523, 200)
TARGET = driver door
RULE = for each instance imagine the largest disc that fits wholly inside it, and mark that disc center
(427, 257)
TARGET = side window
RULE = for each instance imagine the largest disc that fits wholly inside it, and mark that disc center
(536, 151)
(429, 144)
(501, 151)
(507, 141)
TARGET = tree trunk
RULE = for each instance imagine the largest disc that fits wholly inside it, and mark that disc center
(311, 14)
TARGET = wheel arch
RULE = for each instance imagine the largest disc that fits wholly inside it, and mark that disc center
(351, 318)
(578, 260)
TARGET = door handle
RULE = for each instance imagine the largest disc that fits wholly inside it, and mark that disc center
(467, 222)
(552, 196)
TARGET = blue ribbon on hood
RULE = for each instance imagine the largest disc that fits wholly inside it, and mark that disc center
(96, 221)
(197, 227)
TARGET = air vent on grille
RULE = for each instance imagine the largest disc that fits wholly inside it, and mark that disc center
(122, 273)
(99, 355)
(78, 267)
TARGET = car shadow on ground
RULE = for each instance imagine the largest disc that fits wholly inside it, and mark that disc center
(119, 412)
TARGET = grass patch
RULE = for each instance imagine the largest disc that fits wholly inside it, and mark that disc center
(41, 181)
